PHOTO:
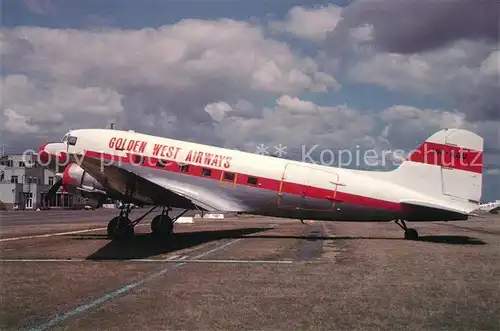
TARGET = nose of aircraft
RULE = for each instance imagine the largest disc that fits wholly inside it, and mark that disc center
(51, 153)
(43, 154)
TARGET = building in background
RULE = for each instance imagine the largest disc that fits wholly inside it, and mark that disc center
(24, 184)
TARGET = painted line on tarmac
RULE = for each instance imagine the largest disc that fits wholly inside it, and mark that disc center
(243, 261)
(50, 234)
(121, 290)
(171, 260)
(46, 235)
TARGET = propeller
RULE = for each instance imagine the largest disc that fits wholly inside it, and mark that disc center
(54, 188)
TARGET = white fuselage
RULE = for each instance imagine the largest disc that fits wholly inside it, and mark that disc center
(233, 180)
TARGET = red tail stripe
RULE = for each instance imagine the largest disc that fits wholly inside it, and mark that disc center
(448, 156)
(241, 179)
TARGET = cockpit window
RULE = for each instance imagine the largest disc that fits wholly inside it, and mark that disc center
(72, 140)
(65, 138)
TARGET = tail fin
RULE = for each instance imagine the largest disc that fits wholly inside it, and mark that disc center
(447, 166)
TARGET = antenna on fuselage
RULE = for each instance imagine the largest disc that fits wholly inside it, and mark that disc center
(112, 125)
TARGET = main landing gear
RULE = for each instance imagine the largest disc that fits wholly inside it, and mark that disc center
(410, 234)
(162, 226)
(121, 227)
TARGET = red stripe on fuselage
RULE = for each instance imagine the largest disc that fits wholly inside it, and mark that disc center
(449, 156)
(242, 178)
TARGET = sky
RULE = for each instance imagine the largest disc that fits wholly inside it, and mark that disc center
(338, 75)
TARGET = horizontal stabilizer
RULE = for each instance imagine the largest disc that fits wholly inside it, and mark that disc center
(428, 211)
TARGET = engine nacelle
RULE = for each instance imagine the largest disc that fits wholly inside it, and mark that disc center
(78, 181)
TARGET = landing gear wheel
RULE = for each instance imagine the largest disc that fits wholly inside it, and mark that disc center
(411, 234)
(120, 227)
(162, 226)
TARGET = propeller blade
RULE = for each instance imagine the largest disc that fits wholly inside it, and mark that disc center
(52, 191)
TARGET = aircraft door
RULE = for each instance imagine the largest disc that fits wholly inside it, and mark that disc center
(293, 187)
(322, 191)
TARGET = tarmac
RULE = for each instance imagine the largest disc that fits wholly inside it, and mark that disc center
(60, 272)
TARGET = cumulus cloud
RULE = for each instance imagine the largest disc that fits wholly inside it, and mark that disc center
(440, 49)
(176, 56)
(218, 110)
(295, 122)
(465, 74)
(295, 105)
(53, 100)
(406, 125)
(43, 108)
(310, 24)
(164, 76)
(17, 123)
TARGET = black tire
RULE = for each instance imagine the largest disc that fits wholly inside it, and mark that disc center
(162, 226)
(120, 228)
(411, 234)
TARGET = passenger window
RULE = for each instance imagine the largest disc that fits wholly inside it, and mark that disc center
(228, 176)
(252, 180)
(138, 159)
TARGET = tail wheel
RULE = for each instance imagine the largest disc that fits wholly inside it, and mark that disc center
(411, 234)
(120, 227)
(162, 226)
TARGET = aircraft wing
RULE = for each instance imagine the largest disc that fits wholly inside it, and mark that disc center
(151, 189)
(198, 196)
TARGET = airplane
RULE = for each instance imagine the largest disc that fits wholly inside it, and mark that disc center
(440, 181)
(490, 207)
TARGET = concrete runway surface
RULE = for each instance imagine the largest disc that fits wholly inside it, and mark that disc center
(247, 273)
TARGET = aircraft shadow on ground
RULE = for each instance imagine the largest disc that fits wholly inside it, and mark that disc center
(453, 240)
(144, 245)
(443, 239)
